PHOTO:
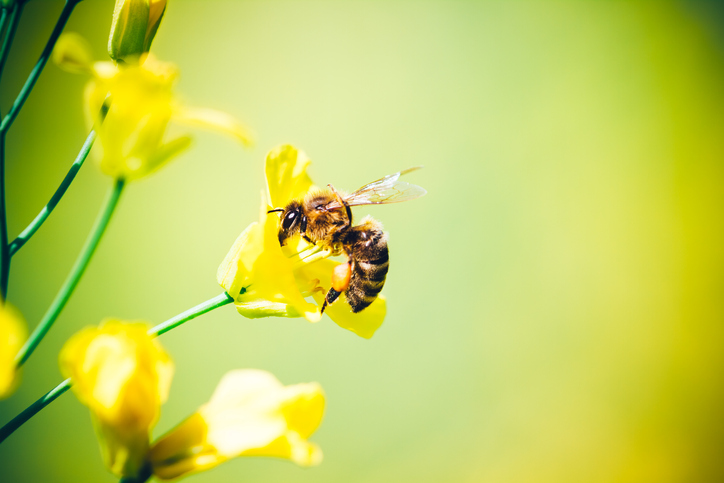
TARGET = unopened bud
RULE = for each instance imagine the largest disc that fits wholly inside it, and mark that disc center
(134, 26)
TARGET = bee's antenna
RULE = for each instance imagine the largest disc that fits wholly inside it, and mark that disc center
(275, 210)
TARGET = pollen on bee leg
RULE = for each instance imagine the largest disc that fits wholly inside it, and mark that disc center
(341, 276)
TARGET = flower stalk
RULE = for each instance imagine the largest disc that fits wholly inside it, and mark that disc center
(75, 274)
(30, 230)
(192, 313)
(4, 247)
(44, 56)
(11, 20)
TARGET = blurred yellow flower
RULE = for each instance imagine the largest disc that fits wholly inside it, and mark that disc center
(123, 376)
(250, 414)
(12, 337)
(131, 106)
(266, 279)
(133, 28)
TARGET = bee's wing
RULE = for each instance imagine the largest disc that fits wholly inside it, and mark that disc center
(385, 190)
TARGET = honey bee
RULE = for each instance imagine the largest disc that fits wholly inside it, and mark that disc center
(324, 218)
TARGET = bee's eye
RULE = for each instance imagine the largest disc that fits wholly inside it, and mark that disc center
(289, 220)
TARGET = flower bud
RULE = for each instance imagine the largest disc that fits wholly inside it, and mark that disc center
(134, 26)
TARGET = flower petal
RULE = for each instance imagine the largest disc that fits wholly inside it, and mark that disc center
(12, 337)
(235, 269)
(363, 323)
(256, 309)
(160, 156)
(73, 53)
(131, 134)
(257, 265)
(250, 414)
(286, 175)
(155, 13)
(214, 120)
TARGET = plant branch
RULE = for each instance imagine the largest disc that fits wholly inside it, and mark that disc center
(4, 247)
(14, 17)
(192, 313)
(35, 73)
(30, 230)
(74, 276)
(9, 33)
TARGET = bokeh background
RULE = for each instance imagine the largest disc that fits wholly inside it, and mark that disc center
(555, 301)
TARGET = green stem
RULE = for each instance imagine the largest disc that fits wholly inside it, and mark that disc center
(30, 230)
(3, 19)
(10, 34)
(4, 248)
(49, 397)
(35, 73)
(74, 276)
(4, 16)
(34, 409)
(191, 313)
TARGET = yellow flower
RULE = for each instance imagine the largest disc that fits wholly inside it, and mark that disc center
(12, 337)
(123, 376)
(266, 279)
(133, 28)
(131, 106)
(250, 414)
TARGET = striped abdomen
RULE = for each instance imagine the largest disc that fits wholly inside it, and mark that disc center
(366, 246)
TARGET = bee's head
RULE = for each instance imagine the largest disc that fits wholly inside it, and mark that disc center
(290, 221)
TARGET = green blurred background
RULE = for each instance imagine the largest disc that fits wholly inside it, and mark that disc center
(555, 301)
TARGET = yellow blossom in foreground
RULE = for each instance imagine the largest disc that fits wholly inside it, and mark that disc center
(250, 414)
(133, 28)
(12, 337)
(266, 279)
(123, 375)
(130, 107)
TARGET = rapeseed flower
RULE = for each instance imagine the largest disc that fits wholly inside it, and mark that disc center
(123, 375)
(266, 279)
(12, 337)
(131, 105)
(250, 414)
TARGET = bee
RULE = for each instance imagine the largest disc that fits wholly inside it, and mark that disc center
(324, 218)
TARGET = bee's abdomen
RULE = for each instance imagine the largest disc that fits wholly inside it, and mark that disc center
(366, 246)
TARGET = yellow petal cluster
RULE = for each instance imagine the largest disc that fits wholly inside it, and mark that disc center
(260, 277)
(13, 334)
(250, 414)
(133, 28)
(123, 376)
(131, 106)
(266, 279)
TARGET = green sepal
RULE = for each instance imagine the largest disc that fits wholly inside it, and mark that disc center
(128, 30)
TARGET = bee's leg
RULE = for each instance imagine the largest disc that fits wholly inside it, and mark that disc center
(343, 203)
(303, 230)
(340, 281)
(331, 296)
